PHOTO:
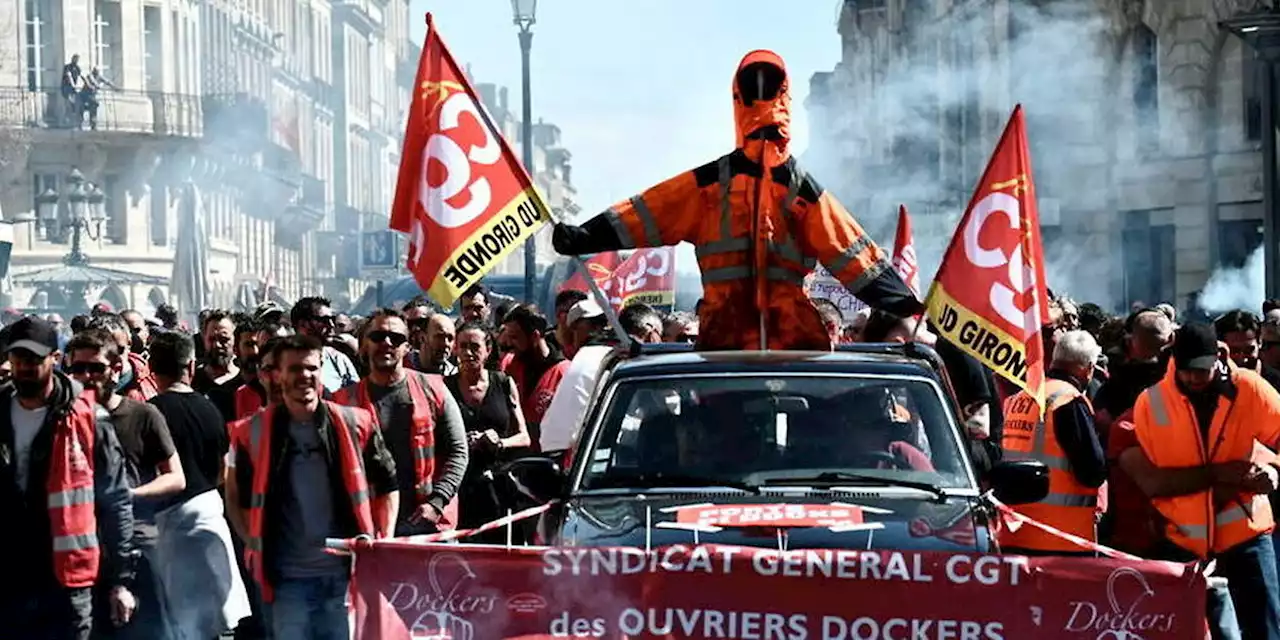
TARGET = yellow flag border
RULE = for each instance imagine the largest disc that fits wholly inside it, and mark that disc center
(442, 289)
(938, 298)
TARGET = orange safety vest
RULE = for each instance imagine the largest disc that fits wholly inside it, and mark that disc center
(352, 425)
(759, 224)
(1070, 505)
(144, 386)
(72, 519)
(1170, 436)
(247, 401)
(425, 409)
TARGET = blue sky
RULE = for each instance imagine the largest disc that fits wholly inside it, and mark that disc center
(640, 90)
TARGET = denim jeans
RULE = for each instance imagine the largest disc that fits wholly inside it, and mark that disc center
(1250, 569)
(311, 609)
(1221, 613)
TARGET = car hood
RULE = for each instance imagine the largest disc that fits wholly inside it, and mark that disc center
(812, 520)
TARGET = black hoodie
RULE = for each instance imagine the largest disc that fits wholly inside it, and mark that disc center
(27, 531)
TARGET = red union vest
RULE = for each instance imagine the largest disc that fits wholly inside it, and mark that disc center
(70, 486)
(352, 427)
(426, 407)
(247, 401)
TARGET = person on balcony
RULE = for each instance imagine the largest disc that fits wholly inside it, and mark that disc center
(72, 83)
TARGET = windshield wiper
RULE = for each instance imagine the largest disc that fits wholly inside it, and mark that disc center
(667, 480)
(833, 477)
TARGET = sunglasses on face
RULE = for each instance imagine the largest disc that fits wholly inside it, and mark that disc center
(89, 368)
(396, 339)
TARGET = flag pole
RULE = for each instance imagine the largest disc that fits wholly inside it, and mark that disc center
(581, 268)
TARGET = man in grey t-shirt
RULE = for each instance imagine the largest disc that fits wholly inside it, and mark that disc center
(423, 504)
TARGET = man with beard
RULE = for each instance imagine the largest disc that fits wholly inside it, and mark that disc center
(136, 381)
(218, 376)
(65, 496)
(420, 422)
(254, 394)
(305, 470)
(153, 469)
(247, 397)
(436, 353)
(536, 367)
(313, 317)
(1196, 432)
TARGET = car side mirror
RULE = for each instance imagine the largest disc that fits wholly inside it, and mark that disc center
(1019, 481)
(536, 478)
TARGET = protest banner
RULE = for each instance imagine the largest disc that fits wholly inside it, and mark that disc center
(989, 295)
(646, 276)
(461, 194)
(820, 284)
(464, 592)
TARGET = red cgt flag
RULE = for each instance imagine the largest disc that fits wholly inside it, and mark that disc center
(601, 267)
(989, 295)
(461, 194)
(904, 252)
(647, 276)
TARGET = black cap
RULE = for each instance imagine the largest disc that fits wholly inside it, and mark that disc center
(1195, 346)
(34, 335)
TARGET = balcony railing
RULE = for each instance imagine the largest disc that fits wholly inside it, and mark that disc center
(151, 112)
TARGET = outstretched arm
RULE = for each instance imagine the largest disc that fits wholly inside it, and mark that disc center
(663, 215)
(829, 233)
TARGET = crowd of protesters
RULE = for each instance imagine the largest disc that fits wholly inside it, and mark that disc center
(175, 482)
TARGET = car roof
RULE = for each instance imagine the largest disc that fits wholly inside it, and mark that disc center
(878, 359)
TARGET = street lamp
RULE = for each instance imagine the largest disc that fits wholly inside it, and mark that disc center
(525, 13)
(85, 203)
(1261, 31)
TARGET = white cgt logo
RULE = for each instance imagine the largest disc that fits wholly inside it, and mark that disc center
(457, 164)
(1022, 278)
(661, 265)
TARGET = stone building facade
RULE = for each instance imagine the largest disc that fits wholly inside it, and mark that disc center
(286, 114)
(1143, 115)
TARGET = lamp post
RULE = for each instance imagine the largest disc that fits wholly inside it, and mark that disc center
(525, 12)
(1261, 31)
(85, 205)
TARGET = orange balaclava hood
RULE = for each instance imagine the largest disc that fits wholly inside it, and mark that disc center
(762, 107)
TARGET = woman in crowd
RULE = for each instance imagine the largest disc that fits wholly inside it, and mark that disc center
(496, 431)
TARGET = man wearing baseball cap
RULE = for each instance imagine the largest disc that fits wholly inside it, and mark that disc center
(1196, 430)
(64, 493)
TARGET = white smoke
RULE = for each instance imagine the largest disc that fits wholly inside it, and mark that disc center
(903, 144)
(1242, 288)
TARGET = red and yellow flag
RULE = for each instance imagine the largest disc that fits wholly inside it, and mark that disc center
(989, 295)
(601, 267)
(461, 193)
(647, 275)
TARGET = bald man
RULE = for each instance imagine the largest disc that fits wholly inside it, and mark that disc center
(435, 354)
(1144, 364)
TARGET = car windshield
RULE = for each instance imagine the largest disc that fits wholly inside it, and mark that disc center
(765, 430)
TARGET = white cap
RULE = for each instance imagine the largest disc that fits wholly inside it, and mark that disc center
(583, 310)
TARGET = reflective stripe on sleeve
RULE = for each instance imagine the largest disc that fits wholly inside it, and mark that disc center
(1155, 400)
(652, 235)
(71, 497)
(76, 542)
(848, 255)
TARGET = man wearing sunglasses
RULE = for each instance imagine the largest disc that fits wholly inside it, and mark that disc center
(135, 380)
(420, 422)
(151, 463)
(313, 317)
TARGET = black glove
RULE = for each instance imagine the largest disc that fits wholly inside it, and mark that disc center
(566, 239)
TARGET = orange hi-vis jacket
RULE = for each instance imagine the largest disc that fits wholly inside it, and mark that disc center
(427, 408)
(352, 427)
(759, 224)
(1070, 505)
(72, 519)
(1170, 436)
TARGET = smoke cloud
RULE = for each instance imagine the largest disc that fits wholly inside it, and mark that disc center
(922, 135)
(1242, 288)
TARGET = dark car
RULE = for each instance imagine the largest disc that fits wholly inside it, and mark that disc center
(848, 449)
